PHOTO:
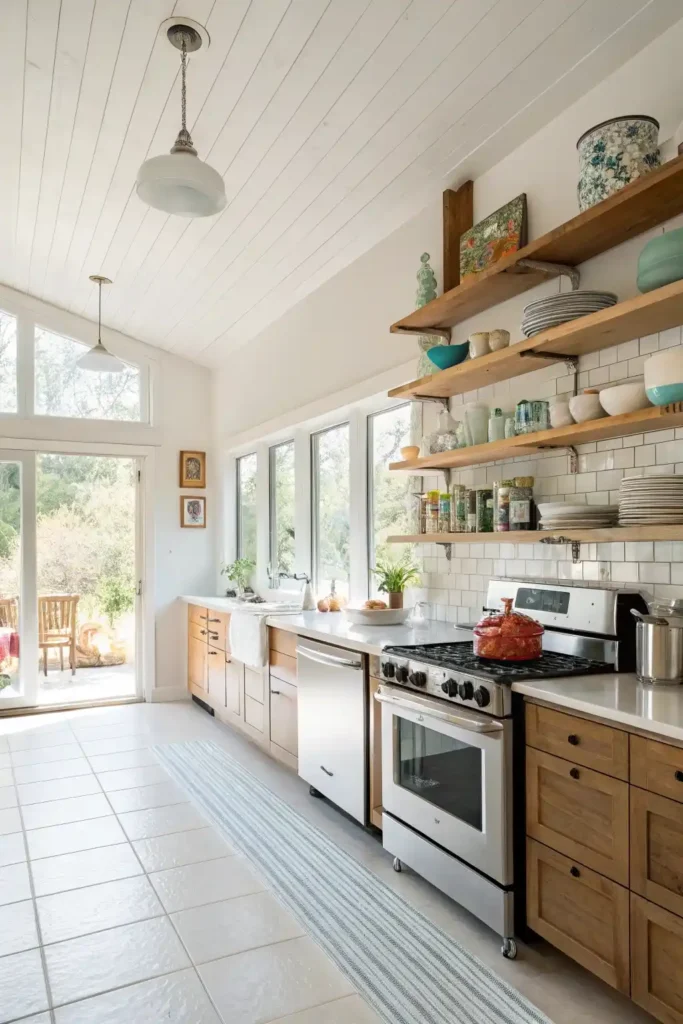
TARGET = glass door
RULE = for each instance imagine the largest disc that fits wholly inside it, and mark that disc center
(18, 604)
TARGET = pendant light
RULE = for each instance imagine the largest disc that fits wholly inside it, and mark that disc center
(98, 357)
(180, 182)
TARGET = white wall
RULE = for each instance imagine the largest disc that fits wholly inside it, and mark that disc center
(338, 337)
(181, 419)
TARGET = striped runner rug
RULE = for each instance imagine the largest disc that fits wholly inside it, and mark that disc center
(407, 969)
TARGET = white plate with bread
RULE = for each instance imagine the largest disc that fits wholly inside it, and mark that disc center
(376, 613)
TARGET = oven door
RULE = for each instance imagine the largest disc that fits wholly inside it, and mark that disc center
(446, 772)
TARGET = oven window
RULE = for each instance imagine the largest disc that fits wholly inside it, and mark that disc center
(441, 770)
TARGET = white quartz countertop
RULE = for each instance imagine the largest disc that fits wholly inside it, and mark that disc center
(616, 697)
(335, 628)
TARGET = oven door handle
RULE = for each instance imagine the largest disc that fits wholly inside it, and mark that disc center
(466, 720)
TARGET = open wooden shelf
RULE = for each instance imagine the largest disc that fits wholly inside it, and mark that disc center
(642, 205)
(636, 318)
(655, 417)
(611, 533)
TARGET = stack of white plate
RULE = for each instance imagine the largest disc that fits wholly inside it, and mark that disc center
(558, 309)
(648, 500)
(563, 516)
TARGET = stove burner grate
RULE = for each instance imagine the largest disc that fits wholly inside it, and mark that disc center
(461, 657)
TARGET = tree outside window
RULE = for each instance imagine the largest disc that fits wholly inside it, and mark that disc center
(282, 499)
(331, 509)
(390, 495)
(246, 507)
(8, 362)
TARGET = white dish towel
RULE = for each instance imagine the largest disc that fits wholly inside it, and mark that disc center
(249, 633)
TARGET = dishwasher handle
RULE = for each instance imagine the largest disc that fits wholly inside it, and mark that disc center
(331, 660)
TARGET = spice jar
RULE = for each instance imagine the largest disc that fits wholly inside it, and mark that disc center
(444, 512)
(501, 505)
(522, 516)
(458, 510)
(471, 507)
(484, 509)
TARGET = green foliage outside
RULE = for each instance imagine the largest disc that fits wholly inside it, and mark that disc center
(246, 507)
(283, 499)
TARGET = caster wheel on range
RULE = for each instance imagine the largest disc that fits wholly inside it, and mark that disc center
(397, 865)
(313, 791)
(509, 949)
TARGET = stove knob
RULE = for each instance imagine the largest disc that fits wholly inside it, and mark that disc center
(482, 697)
(418, 678)
(402, 674)
(450, 687)
(466, 691)
(389, 669)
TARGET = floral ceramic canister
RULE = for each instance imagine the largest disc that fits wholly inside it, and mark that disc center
(613, 154)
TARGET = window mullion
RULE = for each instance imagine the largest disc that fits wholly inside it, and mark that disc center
(26, 352)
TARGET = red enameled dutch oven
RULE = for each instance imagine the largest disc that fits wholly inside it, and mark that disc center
(508, 636)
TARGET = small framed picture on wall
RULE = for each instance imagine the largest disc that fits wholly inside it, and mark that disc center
(193, 469)
(192, 511)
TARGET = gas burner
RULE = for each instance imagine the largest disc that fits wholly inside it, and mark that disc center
(461, 656)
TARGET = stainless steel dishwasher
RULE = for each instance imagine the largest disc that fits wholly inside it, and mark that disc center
(332, 724)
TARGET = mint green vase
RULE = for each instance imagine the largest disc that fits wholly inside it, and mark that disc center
(661, 261)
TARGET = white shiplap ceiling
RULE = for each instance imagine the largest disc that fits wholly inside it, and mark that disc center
(330, 120)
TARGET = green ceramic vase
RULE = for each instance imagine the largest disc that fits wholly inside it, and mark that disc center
(661, 261)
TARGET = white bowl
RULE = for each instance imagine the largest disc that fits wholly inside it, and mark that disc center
(376, 616)
(624, 398)
(586, 407)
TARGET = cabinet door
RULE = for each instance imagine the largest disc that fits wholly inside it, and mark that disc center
(579, 812)
(196, 663)
(657, 849)
(197, 615)
(216, 675)
(588, 743)
(657, 961)
(253, 713)
(234, 687)
(657, 766)
(283, 715)
(579, 912)
(253, 683)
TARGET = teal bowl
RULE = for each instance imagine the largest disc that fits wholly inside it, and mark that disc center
(665, 394)
(661, 261)
(444, 356)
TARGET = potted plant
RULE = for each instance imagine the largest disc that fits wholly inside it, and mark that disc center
(393, 578)
(239, 572)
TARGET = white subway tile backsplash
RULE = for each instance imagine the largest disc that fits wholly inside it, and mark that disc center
(609, 356)
(657, 436)
(625, 572)
(664, 551)
(646, 456)
(669, 451)
(639, 551)
(677, 572)
(585, 482)
(649, 344)
(654, 572)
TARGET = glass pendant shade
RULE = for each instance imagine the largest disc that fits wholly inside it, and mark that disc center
(98, 358)
(182, 184)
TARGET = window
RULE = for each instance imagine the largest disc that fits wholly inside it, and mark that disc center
(331, 511)
(389, 494)
(246, 507)
(282, 496)
(63, 389)
(8, 362)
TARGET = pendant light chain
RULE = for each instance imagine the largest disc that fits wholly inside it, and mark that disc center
(99, 313)
(183, 144)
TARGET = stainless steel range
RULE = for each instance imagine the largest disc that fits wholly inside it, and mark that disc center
(447, 740)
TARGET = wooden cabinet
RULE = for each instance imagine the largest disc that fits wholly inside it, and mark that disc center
(585, 743)
(216, 674)
(234, 687)
(656, 960)
(282, 666)
(254, 684)
(197, 665)
(217, 624)
(253, 714)
(197, 615)
(282, 641)
(657, 849)
(283, 716)
(579, 911)
(579, 812)
(657, 766)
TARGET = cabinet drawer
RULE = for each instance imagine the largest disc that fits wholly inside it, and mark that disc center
(587, 743)
(284, 716)
(197, 632)
(657, 961)
(253, 684)
(579, 812)
(216, 674)
(217, 629)
(196, 614)
(657, 849)
(580, 912)
(283, 641)
(253, 713)
(657, 766)
(283, 667)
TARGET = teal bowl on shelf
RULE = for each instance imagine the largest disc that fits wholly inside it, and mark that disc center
(665, 394)
(661, 262)
(445, 356)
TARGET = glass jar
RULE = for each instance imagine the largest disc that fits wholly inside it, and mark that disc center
(458, 510)
(501, 505)
(444, 438)
(523, 417)
(432, 517)
(522, 503)
(484, 508)
(496, 425)
(471, 507)
(444, 512)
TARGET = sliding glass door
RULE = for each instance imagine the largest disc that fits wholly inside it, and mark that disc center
(70, 573)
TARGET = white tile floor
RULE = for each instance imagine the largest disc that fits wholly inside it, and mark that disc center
(120, 904)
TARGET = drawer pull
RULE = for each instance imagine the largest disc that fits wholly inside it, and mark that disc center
(203, 632)
(573, 739)
(574, 872)
(324, 769)
(213, 620)
(213, 654)
(276, 692)
(574, 772)
(678, 775)
(211, 633)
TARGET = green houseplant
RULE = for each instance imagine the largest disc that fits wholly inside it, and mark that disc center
(393, 578)
(239, 572)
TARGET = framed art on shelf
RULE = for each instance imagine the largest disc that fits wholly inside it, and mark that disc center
(193, 469)
(497, 235)
(193, 511)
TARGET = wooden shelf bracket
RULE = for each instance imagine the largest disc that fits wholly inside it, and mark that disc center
(553, 270)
